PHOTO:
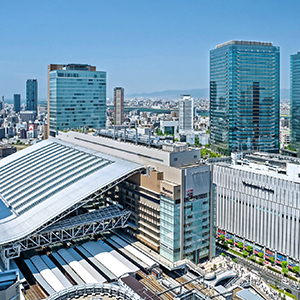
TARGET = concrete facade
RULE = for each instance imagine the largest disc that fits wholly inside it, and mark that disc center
(177, 227)
(258, 204)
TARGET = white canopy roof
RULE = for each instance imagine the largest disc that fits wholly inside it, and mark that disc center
(42, 181)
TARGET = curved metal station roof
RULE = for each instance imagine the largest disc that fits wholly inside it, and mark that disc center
(42, 181)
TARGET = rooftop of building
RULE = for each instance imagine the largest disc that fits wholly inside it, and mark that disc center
(6, 146)
(171, 154)
(72, 66)
(273, 165)
(248, 295)
(160, 143)
(8, 278)
(249, 43)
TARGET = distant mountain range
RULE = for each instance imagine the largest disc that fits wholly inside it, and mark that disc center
(173, 94)
(195, 93)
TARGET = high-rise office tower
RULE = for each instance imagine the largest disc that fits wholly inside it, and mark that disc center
(2, 102)
(31, 94)
(185, 113)
(119, 105)
(244, 97)
(17, 103)
(295, 101)
(76, 97)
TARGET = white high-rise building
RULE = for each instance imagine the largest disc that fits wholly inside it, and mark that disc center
(257, 200)
(185, 114)
(119, 105)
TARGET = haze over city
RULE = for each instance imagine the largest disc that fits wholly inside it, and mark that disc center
(144, 46)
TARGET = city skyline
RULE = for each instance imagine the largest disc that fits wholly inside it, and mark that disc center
(153, 49)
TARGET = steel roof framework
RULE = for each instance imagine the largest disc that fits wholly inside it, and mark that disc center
(65, 230)
(43, 237)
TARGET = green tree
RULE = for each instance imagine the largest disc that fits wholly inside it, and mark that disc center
(226, 244)
(284, 264)
(245, 253)
(285, 271)
(296, 269)
(234, 260)
(272, 259)
(240, 245)
(231, 241)
(222, 237)
(249, 249)
(223, 254)
(260, 254)
(203, 153)
(261, 261)
(212, 154)
(252, 257)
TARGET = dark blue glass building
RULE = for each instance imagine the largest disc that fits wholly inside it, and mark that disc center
(31, 95)
(295, 101)
(17, 103)
(244, 97)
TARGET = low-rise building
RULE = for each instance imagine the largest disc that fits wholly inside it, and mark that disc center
(6, 150)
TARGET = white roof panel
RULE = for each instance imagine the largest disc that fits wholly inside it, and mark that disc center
(34, 199)
(105, 258)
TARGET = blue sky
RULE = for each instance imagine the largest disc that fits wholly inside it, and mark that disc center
(143, 45)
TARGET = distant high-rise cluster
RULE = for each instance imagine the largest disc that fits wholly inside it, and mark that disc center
(76, 97)
(244, 97)
(119, 105)
(31, 94)
(295, 101)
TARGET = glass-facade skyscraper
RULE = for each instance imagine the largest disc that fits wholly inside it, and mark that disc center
(31, 94)
(295, 101)
(244, 97)
(76, 97)
(17, 103)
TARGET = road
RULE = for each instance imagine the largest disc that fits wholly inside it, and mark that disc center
(268, 275)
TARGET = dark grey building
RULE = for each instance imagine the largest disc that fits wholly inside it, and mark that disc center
(6, 150)
(31, 94)
(17, 102)
(27, 116)
(2, 133)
